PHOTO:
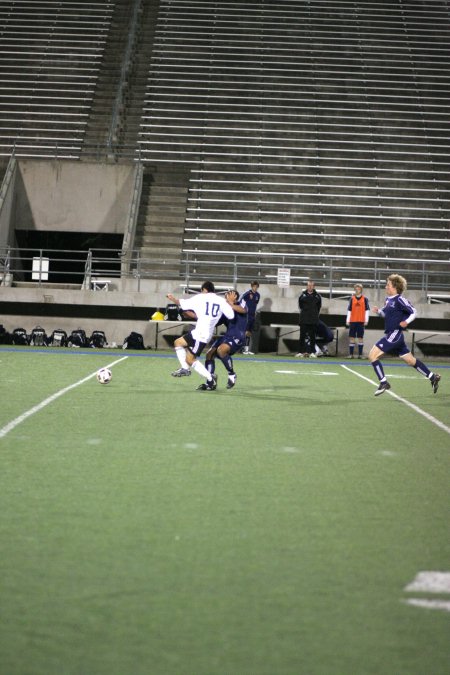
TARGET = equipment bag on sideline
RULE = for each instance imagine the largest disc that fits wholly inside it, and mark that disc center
(58, 338)
(38, 337)
(97, 339)
(19, 336)
(77, 338)
(133, 341)
(5, 337)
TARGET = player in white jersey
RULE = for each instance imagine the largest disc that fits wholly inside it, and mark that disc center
(208, 308)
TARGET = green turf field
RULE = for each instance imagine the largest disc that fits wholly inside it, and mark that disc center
(151, 529)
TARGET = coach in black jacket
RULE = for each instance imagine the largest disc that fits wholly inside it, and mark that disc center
(309, 304)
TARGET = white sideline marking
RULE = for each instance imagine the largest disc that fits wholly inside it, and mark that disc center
(430, 604)
(297, 372)
(430, 582)
(393, 376)
(416, 408)
(15, 423)
(191, 446)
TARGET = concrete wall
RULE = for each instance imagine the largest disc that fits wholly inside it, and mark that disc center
(6, 206)
(70, 196)
(153, 294)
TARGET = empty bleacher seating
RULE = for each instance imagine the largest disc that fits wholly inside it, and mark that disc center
(319, 128)
(312, 131)
(49, 60)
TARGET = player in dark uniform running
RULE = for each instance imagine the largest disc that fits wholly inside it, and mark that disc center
(398, 313)
(231, 341)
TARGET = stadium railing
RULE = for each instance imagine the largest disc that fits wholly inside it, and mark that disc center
(334, 276)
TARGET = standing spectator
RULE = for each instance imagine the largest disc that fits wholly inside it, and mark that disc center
(309, 303)
(398, 313)
(208, 308)
(251, 298)
(357, 319)
(230, 342)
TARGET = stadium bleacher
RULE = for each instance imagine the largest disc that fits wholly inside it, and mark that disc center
(50, 58)
(307, 129)
(297, 129)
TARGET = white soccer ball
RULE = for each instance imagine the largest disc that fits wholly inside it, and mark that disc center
(104, 375)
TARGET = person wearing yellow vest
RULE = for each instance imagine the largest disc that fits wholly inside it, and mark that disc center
(357, 319)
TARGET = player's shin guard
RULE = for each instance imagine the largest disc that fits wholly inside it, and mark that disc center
(210, 365)
(228, 363)
(181, 356)
(421, 367)
(201, 370)
(360, 348)
(379, 372)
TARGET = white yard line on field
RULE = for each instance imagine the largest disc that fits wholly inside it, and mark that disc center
(14, 423)
(416, 408)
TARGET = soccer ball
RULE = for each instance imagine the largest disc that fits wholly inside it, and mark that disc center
(104, 375)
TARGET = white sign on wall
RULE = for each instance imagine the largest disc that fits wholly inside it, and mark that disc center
(283, 277)
(39, 270)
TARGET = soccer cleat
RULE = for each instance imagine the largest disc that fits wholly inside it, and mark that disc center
(210, 385)
(181, 372)
(312, 356)
(351, 356)
(300, 355)
(382, 387)
(231, 381)
(435, 379)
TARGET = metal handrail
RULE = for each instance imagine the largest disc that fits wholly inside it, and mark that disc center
(130, 229)
(331, 273)
(126, 64)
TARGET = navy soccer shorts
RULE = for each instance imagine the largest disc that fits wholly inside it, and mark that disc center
(356, 329)
(393, 343)
(235, 343)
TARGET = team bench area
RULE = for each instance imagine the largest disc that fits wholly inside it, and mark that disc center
(287, 336)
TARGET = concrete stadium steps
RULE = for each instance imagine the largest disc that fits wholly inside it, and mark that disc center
(122, 140)
(161, 218)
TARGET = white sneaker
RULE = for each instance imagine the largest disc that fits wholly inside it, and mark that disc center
(300, 355)
(312, 356)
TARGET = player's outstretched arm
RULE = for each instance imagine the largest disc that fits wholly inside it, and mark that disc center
(172, 298)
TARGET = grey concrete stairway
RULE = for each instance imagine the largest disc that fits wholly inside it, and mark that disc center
(161, 218)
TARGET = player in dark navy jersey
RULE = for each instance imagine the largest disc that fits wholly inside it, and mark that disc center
(252, 298)
(398, 313)
(231, 341)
